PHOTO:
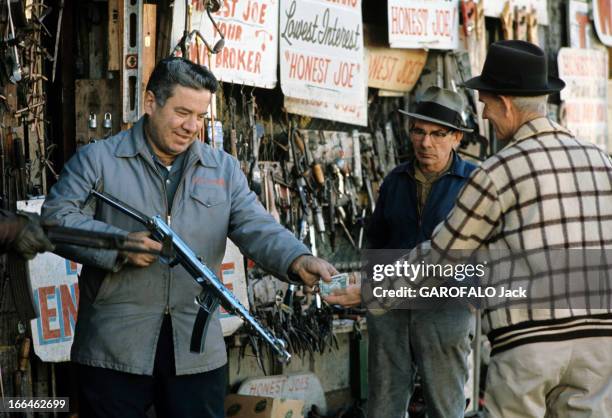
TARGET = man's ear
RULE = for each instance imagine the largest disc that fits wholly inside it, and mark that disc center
(149, 103)
(507, 105)
(458, 138)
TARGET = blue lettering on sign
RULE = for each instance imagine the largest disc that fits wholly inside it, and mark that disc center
(71, 268)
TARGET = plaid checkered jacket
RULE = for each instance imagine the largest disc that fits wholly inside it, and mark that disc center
(546, 189)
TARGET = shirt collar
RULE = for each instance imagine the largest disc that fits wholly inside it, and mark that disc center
(458, 167)
(136, 143)
(537, 127)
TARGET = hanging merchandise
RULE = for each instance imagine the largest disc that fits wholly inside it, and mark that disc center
(494, 8)
(249, 30)
(585, 97)
(416, 24)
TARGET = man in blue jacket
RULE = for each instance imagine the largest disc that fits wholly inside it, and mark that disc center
(414, 198)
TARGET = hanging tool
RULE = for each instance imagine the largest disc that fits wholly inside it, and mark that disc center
(57, 39)
(357, 175)
(254, 171)
(16, 72)
(507, 20)
(233, 135)
(520, 23)
(532, 26)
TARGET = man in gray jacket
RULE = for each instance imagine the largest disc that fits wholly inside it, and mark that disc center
(136, 314)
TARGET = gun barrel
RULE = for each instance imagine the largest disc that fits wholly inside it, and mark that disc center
(122, 207)
(206, 277)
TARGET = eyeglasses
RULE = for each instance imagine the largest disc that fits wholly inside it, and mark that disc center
(420, 134)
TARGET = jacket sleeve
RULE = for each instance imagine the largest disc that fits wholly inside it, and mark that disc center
(10, 227)
(257, 233)
(378, 228)
(68, 203)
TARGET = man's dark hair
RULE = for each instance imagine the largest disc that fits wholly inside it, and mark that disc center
(173, 71)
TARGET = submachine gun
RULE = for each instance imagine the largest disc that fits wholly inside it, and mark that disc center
(213, 294)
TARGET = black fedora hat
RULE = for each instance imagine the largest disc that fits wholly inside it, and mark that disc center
(515, 68)
(440, 106)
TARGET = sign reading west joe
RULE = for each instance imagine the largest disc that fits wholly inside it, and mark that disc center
(321, 50)
(430, 24)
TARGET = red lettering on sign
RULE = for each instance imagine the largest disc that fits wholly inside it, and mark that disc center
(239, 60)
(229, 8)
(255, 13)
(352, 3)
(69, 307)
(46, 313)
(409, 21)
(312, 69)
(231, 31)
(408, 74)
(344, 75)
(382, 67)
(441, 24)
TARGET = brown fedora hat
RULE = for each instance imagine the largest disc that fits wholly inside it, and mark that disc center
(515, 68)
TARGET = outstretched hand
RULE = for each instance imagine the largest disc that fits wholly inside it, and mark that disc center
(311, 269)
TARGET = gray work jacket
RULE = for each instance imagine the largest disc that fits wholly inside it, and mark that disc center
(121, 307)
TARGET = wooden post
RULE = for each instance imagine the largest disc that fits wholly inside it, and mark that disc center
(114, 43)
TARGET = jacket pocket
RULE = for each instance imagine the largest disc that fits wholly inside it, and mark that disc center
(105, 289)
(209, 196)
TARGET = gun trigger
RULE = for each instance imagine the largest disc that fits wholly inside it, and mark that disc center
(167, 250)
(174, 262)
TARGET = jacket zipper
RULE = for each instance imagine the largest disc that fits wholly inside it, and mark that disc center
(165, 198)
(181, 184)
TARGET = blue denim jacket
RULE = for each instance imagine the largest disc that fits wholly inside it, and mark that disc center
(396, 223)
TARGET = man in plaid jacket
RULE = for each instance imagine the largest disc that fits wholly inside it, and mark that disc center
(544, 190)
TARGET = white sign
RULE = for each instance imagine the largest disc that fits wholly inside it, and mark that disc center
(602, 15)
(304, 386)
(321, 50)
(430, 24)
(494, 8)
(355, 114)
(585, 97)
(250, 27)
(580, 29)
(234, 278)
(55, 292)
